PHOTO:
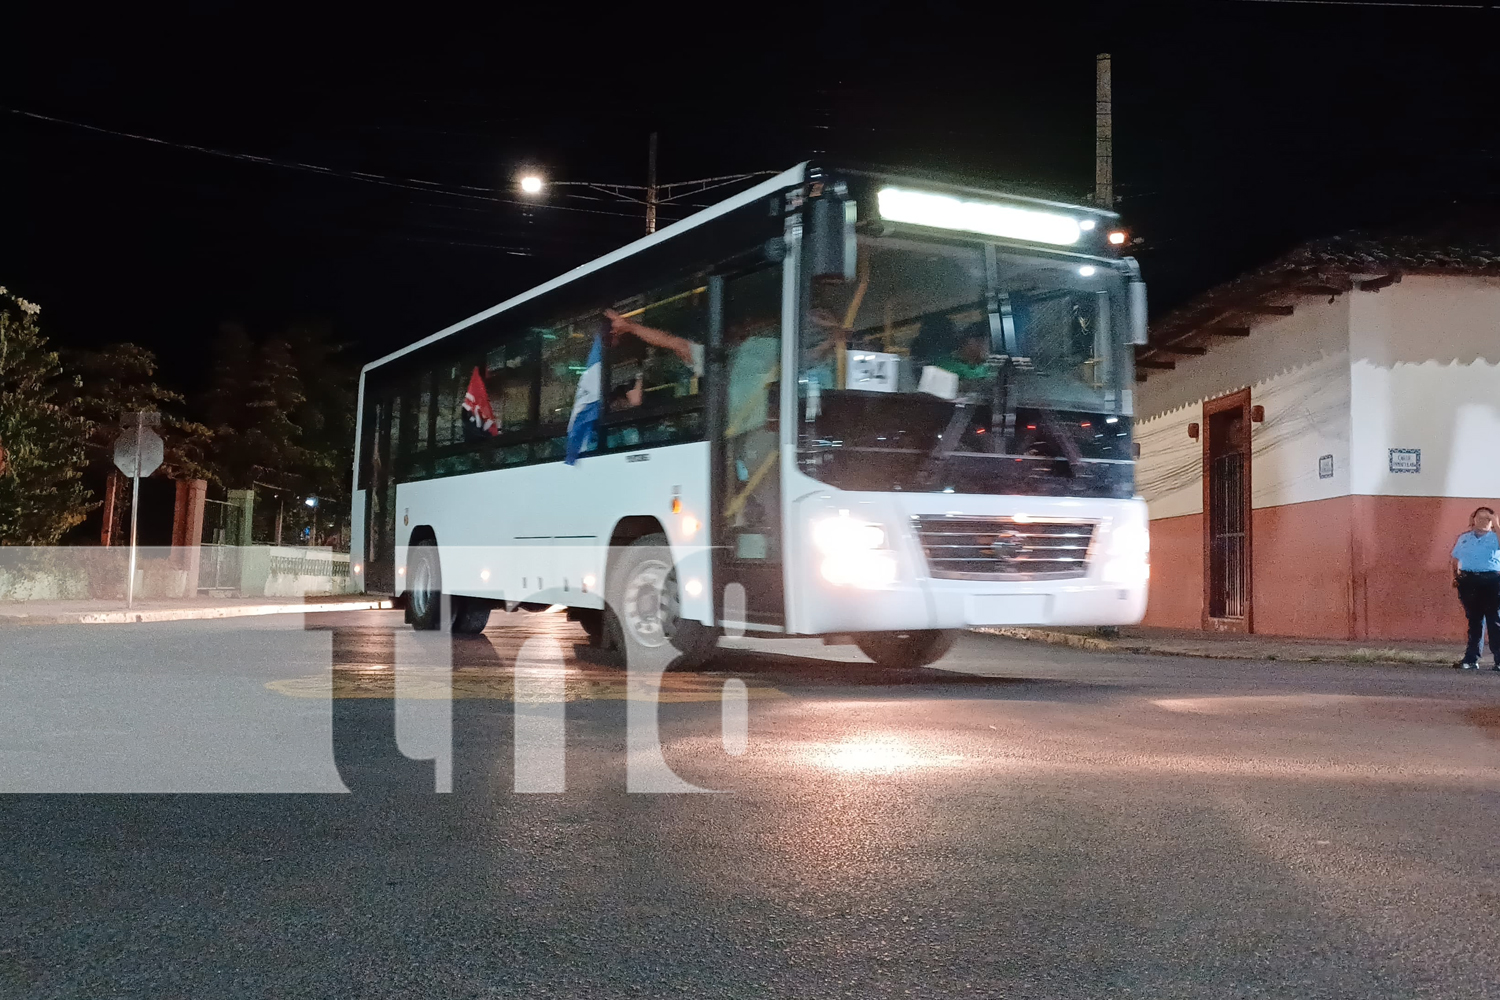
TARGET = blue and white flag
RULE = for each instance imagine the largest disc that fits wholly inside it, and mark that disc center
(586, 405)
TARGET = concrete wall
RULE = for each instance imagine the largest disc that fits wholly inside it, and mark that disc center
(98, 572)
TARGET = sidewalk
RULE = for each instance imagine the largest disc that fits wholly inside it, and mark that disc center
(115, 613)
(1238, 646)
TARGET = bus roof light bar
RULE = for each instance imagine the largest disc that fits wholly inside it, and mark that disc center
(942, 211)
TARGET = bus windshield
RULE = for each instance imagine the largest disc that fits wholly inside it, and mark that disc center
(961, 367)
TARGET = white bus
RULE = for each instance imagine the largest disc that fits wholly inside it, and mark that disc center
(842, 403)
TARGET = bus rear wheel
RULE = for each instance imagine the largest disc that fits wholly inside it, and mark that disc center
(642, 615)
(906, 650)
(470, 615)
(424, 595)
(424, 586)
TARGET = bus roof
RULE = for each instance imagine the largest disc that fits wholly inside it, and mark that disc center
(787, 178)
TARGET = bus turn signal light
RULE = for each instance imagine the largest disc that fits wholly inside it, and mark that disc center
(1117, 238)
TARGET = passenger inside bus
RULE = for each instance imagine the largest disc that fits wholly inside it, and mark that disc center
(754, 345)
(754, 353)
(627, 396)
(652, 366)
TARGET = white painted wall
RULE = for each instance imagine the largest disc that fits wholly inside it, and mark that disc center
(1297, 367)
(1425, 373)
(1414, 365)
(1307, 417)
(1317, 329)
(1450, 411)
(1169, 473)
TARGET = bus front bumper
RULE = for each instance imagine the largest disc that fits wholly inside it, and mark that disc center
(945, 604)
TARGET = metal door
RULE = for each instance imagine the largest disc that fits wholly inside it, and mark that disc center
(744, 426)
(380, 502)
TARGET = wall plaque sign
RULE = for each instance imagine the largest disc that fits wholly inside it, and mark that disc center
(1406, 459)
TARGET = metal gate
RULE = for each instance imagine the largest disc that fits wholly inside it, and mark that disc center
(218, 561)
(1226, 538)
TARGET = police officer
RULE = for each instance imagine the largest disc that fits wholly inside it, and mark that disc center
(1476, 574)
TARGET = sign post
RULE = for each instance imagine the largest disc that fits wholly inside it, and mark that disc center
(138, 452)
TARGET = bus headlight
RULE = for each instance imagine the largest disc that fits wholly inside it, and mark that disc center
(854, 552)
(1129, 559)
(834, 535)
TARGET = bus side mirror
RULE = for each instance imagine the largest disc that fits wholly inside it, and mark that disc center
(830, 237)
(1139, 330)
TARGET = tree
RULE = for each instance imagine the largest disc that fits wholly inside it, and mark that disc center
(252, 396)
(282, 412)
(121, 379)
(326, 416)
(44, 442)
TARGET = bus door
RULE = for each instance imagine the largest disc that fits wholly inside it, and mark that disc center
(745, 409)
(380, 502)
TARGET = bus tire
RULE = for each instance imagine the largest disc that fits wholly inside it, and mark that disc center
(470, 615)
(906, 650)
(640, 618)
(424, 586)
(591, 620)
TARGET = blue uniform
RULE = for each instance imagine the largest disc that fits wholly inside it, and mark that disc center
(1477, 553)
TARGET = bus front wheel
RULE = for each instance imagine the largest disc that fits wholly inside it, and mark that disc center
(641, 617)
(906, 650)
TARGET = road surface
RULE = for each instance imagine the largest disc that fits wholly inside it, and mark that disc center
(1024, 821)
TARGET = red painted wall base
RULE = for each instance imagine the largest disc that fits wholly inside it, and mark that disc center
(1363, 567)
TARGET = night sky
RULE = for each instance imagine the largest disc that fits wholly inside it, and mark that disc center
(1242, 128)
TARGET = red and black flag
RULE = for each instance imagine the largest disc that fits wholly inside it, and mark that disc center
(479, 419)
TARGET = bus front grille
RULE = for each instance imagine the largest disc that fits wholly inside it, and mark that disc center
(1004, 548)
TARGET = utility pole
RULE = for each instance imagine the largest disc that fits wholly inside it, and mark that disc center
(651, 187)
(1104, 134)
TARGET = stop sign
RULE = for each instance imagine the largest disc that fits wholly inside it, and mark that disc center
(139, 450)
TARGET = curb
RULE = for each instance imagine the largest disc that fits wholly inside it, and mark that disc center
(1361, 655)
(192, 614)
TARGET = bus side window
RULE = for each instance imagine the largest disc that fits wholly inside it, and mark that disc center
(564, 350)
(508, 372)
(507, 378)
(414, 417)
(664, 362)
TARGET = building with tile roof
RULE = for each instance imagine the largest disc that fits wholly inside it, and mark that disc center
(1315, 434)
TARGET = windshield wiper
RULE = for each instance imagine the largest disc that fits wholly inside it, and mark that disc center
(1069, 447)
(947, 443)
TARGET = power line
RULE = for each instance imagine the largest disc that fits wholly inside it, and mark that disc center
(405, 183)
(1379, 3)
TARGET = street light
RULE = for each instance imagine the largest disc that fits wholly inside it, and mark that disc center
(312, 529)
(531, 184)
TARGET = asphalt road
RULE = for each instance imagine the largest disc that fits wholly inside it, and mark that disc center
(1026, 821)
